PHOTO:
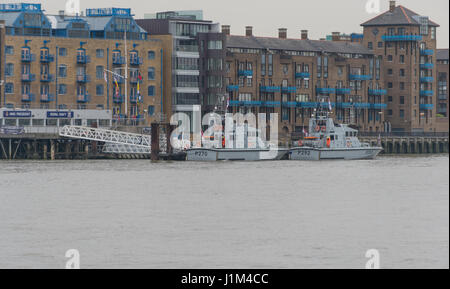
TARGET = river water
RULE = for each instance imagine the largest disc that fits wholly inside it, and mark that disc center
(138, 214)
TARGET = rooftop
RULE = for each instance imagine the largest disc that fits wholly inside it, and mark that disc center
(400, 15)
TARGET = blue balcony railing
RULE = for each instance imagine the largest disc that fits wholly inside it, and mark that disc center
(344, 105)
(235, 103)
(83, 59)
(252, 103)
(378, 106)
(289, 104)
(302, 75)
(426, 79)
(289, 89)
(307, 104)
(272, 104)
(325, 90)
(360, 77)
(427, 106)
(233, 88)
(47, 97)
(118, 60)
(47, 58)
(83, 98)
(28, 57)
(83, 78)
(343, 90)
(426, 93)
(426, 52)
(377, 92)
(136, 61)
(27, 97)
(401, 37)
(426, 66)
(270, 89)
(245, 73)
(118, 98)
(361, 105)
(28, 77)
(46, 77)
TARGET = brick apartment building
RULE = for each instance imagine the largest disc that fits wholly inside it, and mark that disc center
(59, 62)
(442, 90)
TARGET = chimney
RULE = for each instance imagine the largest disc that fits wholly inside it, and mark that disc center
(282, 33)
(304, 34)
(61, 14)
(391, 6)
(226, 29)
(335, 36)
(249, 31)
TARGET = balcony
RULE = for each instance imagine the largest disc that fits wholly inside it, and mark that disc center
(344, 105)
(426, 93)
(235, 103)
(270, 89)
(118, 98)
(427, 79)
(290, 104)
(426, 66)
(378, 106)
(426, 106)
(252, 103)
(343, 90)
(307, 104)
(377, 92)
(233, 88)
(271, 104)
(83, 59)
(289, 89)
(27, 97)
(325, 90)
(46, 77)
(360, 77)
(28, 57)
(361, 105)
(83, 78)
(187, 48)
(28, 77)
(118, 60)
(47, 58)
(427, 52)
(302, 75)
(135, 61)
(47, 97)
(245, 73)
(401, 37)
(83, 98)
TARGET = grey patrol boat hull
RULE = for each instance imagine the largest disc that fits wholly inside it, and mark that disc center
(211, 155)
(315, 154)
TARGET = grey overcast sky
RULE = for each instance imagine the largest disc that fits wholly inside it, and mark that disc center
(320, 17)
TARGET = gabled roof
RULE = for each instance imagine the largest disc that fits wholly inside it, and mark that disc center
(9, 18)
(400, 16)
(296, 45)
(442, 54)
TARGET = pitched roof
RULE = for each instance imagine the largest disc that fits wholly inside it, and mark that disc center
(296, 45)
(442, 54)
(400, 16)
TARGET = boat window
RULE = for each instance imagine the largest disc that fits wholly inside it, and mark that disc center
(332, 138)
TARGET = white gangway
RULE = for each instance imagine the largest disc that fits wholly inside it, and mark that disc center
(118, 142)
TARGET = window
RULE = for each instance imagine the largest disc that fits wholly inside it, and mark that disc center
(370, 45)
(390, 85)
(402, 58)
(151, 55)
(99, 90)
(100, 53)
(402, 113)
(263, 64)
(151, 110)
(62, 51)
(380, 44)
(9, 70)
(215, 44)
(151, 90)
(62, 89)
(9, 88)
(390, 58)
(62, 71)
(402, 72)
(402, 86)
(402, 99)
(390, 112)
(389, 98)
(99, 72)
(390, 71)
(270, 70)
(285, 69)
(9, 50)
(151, 73)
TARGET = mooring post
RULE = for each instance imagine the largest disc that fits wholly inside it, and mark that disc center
(10, 149)
(45, 151)
(52, 150)
(155, 141)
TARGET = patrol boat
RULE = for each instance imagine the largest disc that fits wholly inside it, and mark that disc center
(328, 140)
(249, 148)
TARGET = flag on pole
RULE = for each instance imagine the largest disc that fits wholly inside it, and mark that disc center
(105, 75)
(139, 86)
(117, 86)
(329, 105)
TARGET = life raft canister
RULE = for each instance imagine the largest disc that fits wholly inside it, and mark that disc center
(300, 143)
(328, 142)
(317, 128)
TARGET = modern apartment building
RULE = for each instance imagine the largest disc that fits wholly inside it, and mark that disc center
(80, 62)
(292, 77)
(405, 44)
(442, 90)
(191, 36)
